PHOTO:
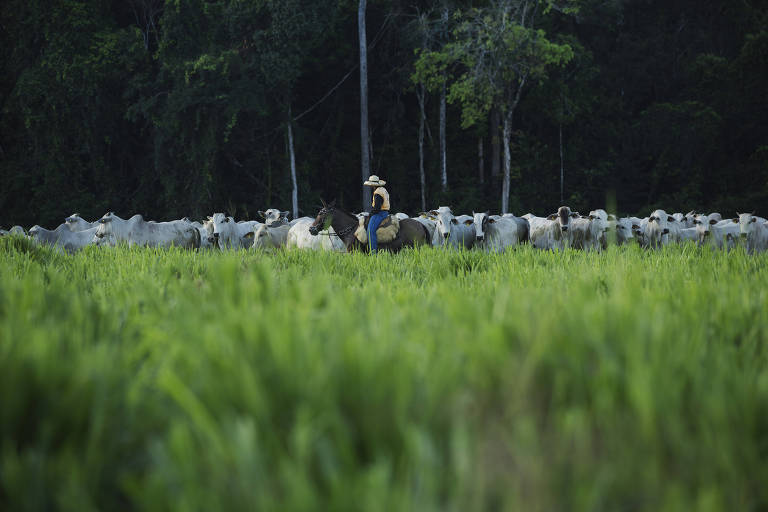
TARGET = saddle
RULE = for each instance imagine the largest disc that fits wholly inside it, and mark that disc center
(387, 231)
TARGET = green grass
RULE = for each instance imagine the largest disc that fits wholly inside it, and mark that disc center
(139, 379)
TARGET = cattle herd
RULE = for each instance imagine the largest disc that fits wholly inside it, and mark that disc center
(564, 228)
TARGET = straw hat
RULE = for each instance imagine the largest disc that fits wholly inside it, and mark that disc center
(374, 181)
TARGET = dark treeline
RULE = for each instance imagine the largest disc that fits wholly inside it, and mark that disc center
(174, 108)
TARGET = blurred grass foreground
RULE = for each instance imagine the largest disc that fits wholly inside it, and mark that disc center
(140, 379)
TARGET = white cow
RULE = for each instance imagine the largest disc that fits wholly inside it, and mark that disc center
(299, 237)
(493, 232)
(62, 237)
(618, 231)
(690, 234)
(76, 223)
(452, 231)
(136, 231)
(703, 225)
(274, 216)
(428, 223)
(724, 233)
(625, 230)
(230, 234)
(551, 232)
(638, 229)
(269, 237)
(688, 219)
(588, 233)
(660, 224)
(715, 216)
(523, 227)
(754, 231)
(15, 230)
(207, 241)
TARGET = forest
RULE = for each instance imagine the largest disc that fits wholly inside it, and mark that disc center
(185, 107)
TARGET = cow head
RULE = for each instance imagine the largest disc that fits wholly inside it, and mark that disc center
(274, 216)
(564, 216)
(747, 223)
(444, 221)
(480, 221)
(105, 234)
(224, 229)
(624, 231)
(702, 225)
(262, 238)
(73, 221)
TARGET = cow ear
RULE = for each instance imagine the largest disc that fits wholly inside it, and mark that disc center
(552, 216)
(285, 213)
(249, 234)
(611, 216)
(261, 214)
(468, 222)
(491, 220)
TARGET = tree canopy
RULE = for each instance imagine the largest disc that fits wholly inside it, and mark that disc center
(171, 108)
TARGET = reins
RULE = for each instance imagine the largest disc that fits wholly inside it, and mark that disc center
(342, 233)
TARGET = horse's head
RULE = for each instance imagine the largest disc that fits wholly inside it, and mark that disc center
(323, 219)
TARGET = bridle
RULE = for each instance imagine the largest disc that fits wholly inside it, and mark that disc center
(342, 233)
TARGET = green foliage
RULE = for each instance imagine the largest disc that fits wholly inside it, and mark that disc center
(173, 108)
(490, 53)
(167, 379)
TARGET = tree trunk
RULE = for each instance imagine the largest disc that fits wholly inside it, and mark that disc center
(495, 143)
(562, 172)
(443, 151)
(480, 161)
(292, 155)
(269, 175)
(507, 135)
(365, 167)
(513, 98)
(421, 94)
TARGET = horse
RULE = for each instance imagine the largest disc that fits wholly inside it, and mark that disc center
(411, 234)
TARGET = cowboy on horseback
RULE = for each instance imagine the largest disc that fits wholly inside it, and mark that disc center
(380, 209)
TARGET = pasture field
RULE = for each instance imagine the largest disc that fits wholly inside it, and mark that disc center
(140, 379)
